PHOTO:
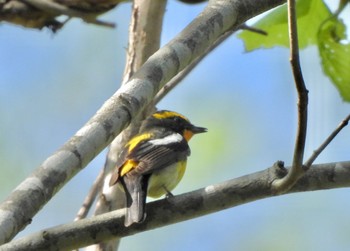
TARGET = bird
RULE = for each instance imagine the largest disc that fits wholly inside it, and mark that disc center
(153, 162)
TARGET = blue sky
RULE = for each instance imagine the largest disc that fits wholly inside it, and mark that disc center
(50, 85)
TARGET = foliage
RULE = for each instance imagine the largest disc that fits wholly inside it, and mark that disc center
(334, 52)
(316, 26)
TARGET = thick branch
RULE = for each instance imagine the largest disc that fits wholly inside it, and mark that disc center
(183, 207)
(144, 33)
(117, 112)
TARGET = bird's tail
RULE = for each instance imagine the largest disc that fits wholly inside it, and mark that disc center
(136, 192)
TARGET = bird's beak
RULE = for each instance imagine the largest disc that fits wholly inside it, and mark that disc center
(197, 129)
(192, 130)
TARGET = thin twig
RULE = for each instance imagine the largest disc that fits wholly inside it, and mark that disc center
(253, 29)
(297, 169)
(301, 89)
(318, 151)
(341, 6)
(90, 198)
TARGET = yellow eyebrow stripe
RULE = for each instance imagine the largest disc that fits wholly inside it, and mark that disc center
(136, 140)
(168, 114)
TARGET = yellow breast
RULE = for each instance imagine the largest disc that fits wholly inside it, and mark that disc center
(165, 179)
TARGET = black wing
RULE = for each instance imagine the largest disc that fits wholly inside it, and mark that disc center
(153, 155)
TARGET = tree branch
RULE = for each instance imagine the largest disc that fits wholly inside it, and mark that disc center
(183, 207)
(318, 151)
(116, 113)
(297, 169)
(90, 198)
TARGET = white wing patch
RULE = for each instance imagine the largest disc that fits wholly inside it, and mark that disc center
(172, 138)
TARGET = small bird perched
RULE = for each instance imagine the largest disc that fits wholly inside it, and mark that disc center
(154, 161)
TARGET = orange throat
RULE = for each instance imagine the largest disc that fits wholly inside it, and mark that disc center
(187, 134)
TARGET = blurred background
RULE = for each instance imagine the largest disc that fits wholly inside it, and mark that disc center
(51, 84)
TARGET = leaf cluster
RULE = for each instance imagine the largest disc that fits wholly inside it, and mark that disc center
(318, 26)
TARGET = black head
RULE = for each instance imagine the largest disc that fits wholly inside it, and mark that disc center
(173, 121)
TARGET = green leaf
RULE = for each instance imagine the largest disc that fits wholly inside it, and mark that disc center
(310, 16)
(335, 55)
